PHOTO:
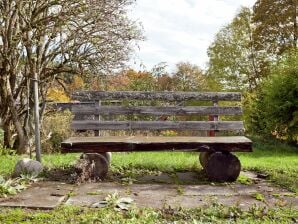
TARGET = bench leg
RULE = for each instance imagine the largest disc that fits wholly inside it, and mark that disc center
(100, 164)
(222, 167)
(203, 158)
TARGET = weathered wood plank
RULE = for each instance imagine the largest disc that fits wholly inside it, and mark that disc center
(149, 110)
(67, 106)
(157, 125)
(168, 96)
(177, 143)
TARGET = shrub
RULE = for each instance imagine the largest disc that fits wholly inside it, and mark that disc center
(273, 108)
(56, 128)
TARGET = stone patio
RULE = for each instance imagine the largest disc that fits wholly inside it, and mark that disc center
(155, 192)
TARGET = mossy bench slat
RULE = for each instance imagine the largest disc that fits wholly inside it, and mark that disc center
(216, 157)
(145, 95)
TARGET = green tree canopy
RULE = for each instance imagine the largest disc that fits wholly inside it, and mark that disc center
(275, 23)
(233, 59)
(189, 77)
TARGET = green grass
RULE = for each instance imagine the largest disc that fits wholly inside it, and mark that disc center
(162, 161)
(211, 214)
(7, 162)
(279, 161)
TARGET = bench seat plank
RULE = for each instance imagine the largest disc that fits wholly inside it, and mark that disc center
(139, 143)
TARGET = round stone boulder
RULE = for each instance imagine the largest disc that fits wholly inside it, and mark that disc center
(27, 166)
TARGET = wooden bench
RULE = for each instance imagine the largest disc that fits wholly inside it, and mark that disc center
(216, 150)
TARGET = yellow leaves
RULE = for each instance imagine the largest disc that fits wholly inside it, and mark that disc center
(57, 95)
(118, 82)
(77, 84)
(131, 80)
(169, 133)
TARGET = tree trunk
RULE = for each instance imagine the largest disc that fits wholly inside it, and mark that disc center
(7, 135)
(22, 145)
(23, 142)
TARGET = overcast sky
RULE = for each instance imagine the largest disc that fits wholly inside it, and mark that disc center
(180, 30)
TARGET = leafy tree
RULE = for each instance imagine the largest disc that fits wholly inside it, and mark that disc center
(118, 82)
(52, 38)
(233, 59)
(163, 79)
(165, 82)
(189, 77)
(140, 81)
(276, 28)
(76, 84)
(132, 80)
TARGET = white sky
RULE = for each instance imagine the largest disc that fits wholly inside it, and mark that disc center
(180, 30)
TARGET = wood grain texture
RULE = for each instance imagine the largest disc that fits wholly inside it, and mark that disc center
(178, 143)
(151, 110)
(168, 96)
(157, 125)
(67, 106)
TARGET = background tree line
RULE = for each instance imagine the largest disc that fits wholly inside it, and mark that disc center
(257, 53)
(76, 45)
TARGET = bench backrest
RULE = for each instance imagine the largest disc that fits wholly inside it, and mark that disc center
(93, 107)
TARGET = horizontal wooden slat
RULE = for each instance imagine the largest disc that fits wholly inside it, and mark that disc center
(68, 106)
(136, 143)
(168, 96)
(170, 110)
(157, 125)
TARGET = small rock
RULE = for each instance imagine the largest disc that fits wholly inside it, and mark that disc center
(100, 204)
(27, 166)
(262, 176)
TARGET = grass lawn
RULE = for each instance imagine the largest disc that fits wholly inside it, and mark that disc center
(277, 160)
(212, 214)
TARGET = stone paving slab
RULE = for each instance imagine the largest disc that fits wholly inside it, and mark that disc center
(187, 196)
(162, 178)
(41, 195)
(244, 202)
(166, 192)
(90, 193)
(143, 194)
(188, 177)
(258, 187)
(207, 190)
